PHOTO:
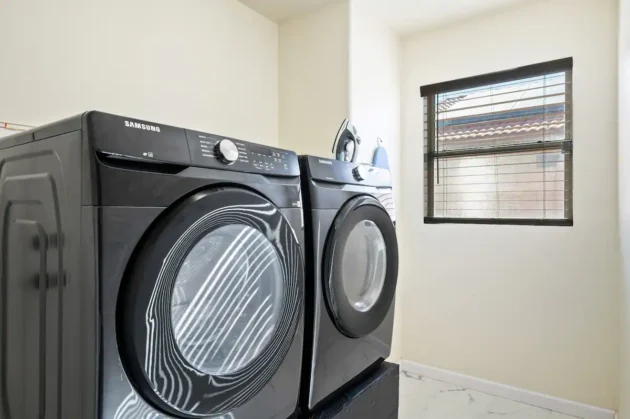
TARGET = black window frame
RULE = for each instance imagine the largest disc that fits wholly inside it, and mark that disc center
(430, 92)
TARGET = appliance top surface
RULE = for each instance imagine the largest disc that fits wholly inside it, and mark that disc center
(132, 139)
(329, 171)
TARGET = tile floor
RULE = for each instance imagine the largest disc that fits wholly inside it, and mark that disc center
(424, 398)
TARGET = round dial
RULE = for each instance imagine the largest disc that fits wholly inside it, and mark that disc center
(360, 173)
(226, 151)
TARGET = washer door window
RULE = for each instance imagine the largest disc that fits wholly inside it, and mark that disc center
(225, 313)
(361, 267)
(211, 303)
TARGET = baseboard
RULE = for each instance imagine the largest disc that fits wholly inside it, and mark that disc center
(555, 404)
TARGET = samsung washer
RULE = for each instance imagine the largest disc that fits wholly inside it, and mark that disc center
(352, 268)
(148, 272)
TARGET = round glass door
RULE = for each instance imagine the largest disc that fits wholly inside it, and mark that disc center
(227, 299)
(360, 266)
(363, 265)
(211, 304)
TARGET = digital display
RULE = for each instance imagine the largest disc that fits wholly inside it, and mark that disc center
(260, 150)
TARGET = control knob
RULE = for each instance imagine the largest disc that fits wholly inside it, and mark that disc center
(360, 173)
(226, 151)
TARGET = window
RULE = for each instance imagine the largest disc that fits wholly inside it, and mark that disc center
(498, 147)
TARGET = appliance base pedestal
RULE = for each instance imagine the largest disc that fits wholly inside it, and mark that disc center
(374, 397)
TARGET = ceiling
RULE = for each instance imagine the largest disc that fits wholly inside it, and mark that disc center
(279, 10)
(413, 15)
(401, 15)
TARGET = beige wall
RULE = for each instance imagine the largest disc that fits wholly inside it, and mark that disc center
(375, 85)
(313, 74)
(375, 104)
(204, 64)
(624, 202)
(532, 307)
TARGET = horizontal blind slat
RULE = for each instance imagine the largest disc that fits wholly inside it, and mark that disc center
(502, 140)
(506, 102)
(503, 112)
(503, 149)
(515, 91)
(543, 116)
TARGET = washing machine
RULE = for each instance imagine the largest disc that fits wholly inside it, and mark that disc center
(351, 272)
(148, 271)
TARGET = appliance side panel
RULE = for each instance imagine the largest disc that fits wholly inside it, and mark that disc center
(40, 200)
(89, 329)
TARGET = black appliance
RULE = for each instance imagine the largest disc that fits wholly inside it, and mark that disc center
(148, 272)
(352, 267)
(375, 396)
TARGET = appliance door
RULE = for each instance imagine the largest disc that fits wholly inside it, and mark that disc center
(211, 303)
(360, 266)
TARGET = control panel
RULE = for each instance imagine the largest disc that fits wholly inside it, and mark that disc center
(132, 139)
(335, 171)
(210, 150)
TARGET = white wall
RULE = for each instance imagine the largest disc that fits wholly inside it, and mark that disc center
(374, 84)
(375, 103)
(533, 307)
(624, 202)
(314, 79)
(204, 64)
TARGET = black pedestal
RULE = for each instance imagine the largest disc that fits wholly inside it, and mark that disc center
(374, 397)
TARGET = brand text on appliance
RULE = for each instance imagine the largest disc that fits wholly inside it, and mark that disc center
(138, 125)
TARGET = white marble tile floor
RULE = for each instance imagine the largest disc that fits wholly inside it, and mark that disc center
(424, 398)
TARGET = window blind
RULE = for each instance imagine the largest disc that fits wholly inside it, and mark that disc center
(498, 148)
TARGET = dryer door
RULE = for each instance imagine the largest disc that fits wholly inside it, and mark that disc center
(211, 303)
(360, 266)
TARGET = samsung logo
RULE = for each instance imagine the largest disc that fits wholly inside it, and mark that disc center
(325, 162)
(138, 125)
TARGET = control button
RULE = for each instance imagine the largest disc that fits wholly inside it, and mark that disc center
(226, 151)
(360, 173)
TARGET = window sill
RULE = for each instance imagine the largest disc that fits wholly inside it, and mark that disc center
(499, 221)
